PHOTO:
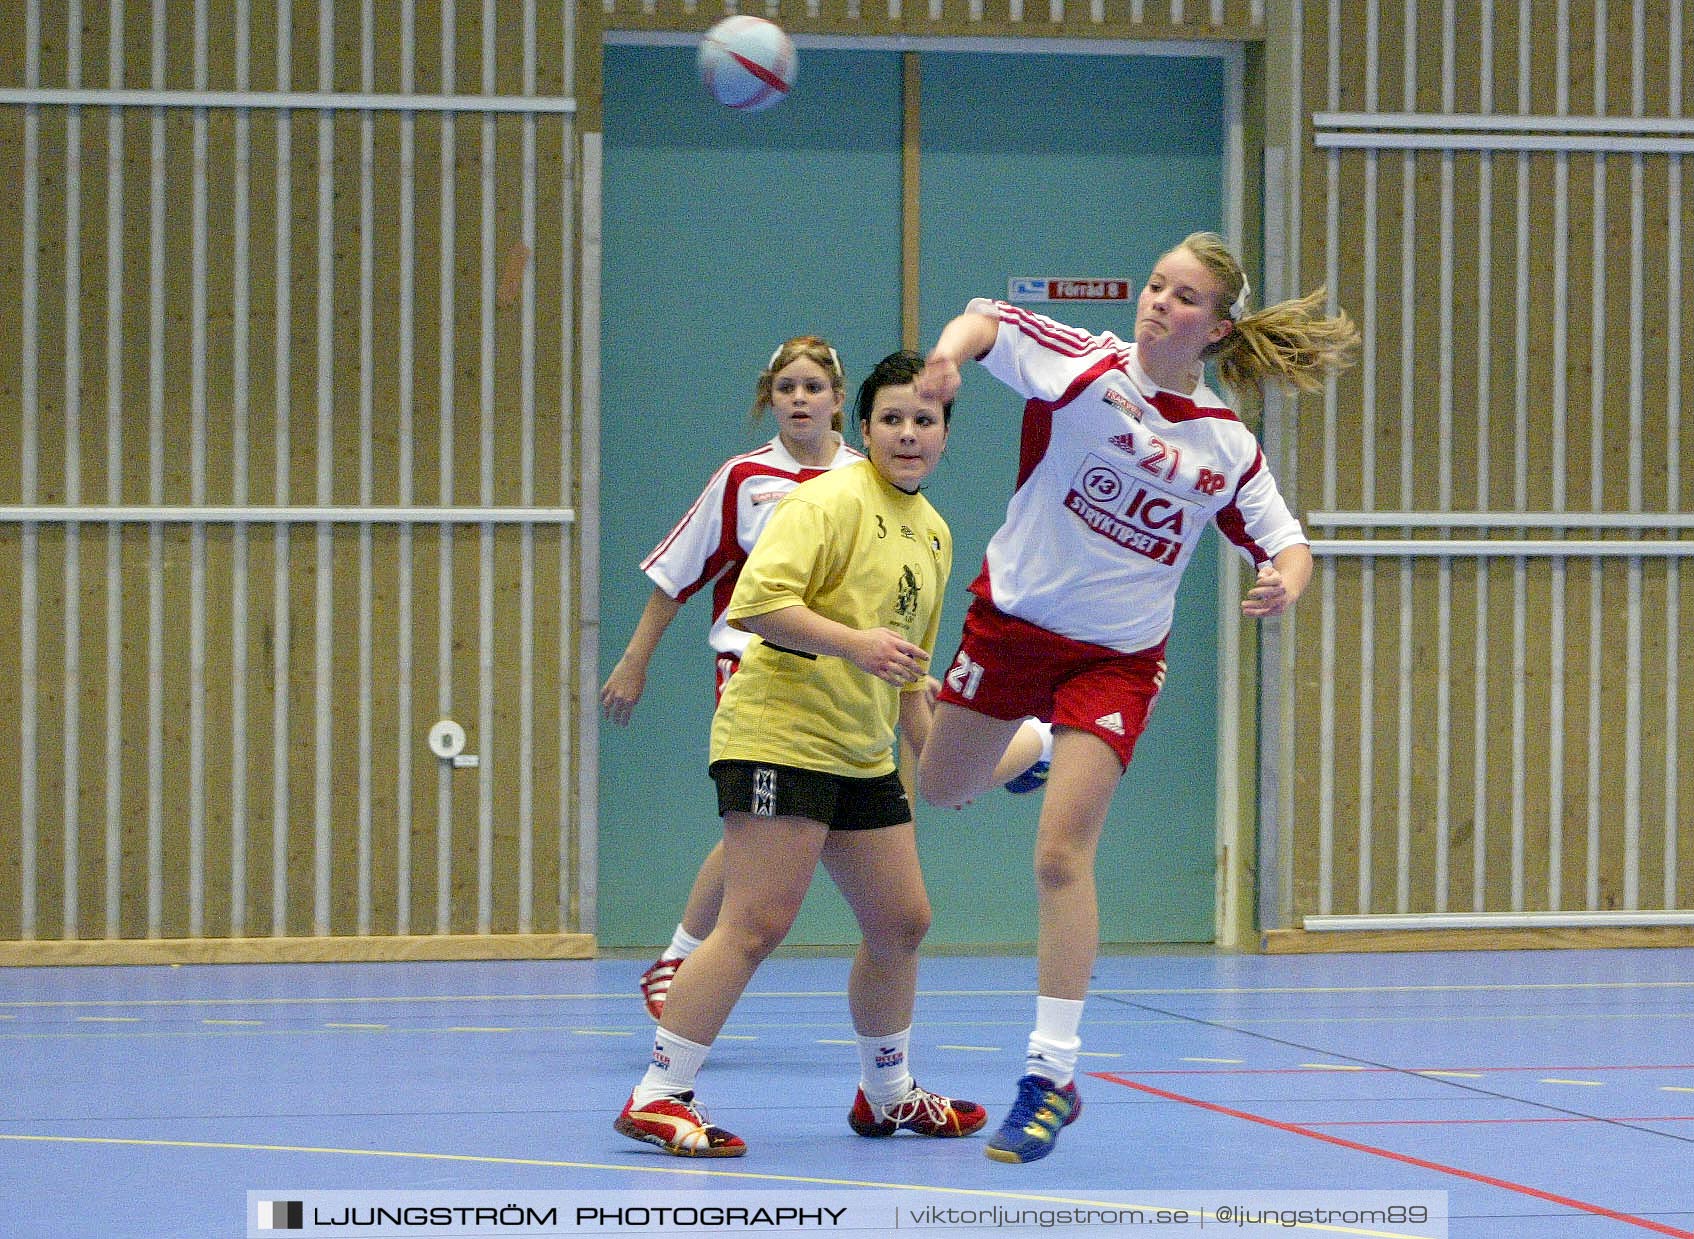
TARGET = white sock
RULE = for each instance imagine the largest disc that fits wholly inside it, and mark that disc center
(1054, 1044)
(682, 944)
(676, 1061)
(1046, 730)
(883, 1072)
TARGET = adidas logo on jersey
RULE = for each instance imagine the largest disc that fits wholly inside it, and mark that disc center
(1112, 722)
(1126, 442)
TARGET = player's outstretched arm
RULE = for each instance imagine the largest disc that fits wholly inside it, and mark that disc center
(967, 338)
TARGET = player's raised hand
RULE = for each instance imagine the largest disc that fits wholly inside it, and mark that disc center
(938, 380)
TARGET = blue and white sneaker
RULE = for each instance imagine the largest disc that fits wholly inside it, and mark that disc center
(1031, 1127)
(1035, 778)
(1031, 780)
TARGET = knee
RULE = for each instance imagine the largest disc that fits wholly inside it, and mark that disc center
(754, 935)
(899, 933)
(1059, 866)
(936, 788)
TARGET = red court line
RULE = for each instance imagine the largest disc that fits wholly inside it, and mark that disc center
(1352, 1070)
(1297, 1130)
(1598, 1118)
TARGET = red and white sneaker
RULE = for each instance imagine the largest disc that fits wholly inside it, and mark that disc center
(656, 983)
(920, 1111)
(677, 1125)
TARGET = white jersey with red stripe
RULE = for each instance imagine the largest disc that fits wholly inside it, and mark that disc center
(713, 538)
(1117, 479)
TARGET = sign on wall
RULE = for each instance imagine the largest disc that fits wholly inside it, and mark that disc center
(1061, 288)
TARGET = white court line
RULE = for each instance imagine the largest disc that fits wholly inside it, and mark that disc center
(1200, 991)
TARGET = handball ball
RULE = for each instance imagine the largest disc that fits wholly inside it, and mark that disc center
(747, 63)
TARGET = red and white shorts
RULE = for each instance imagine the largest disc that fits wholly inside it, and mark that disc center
(1008, 668)
(725, 667)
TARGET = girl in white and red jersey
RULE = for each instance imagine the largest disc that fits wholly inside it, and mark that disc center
(1126, 456)
(805, 390)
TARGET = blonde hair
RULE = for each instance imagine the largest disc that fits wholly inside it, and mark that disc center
(1292, 342)
(814, 348)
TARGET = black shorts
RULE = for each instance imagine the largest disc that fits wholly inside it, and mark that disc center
(840, 803)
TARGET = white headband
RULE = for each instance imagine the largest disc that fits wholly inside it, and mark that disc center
(1240, 306)
(834, 359)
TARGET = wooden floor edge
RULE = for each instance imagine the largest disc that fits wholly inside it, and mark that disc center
(1307, 942)
(52, 953)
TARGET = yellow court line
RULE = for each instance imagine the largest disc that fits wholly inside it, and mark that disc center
(600, 1032)
(1456, 1075)
(1333, 1066)
(489, 1159)
(1493, 1017)
(1674, 1088)
(1211, 1060)
(376, 1027)
(1098, 1054)
(1583, 1083)
(980, 1049)
(305, 1001)
(243, 1023)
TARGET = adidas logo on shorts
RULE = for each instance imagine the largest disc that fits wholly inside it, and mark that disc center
(1112, 722)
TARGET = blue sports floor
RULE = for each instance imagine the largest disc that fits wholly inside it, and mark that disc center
(1550, 1093)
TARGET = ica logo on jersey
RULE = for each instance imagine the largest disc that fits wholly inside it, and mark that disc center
(1137, 514)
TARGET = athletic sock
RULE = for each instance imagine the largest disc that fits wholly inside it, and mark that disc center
(1046, 730)
(883, 1071)
(1054, 1044)
(676, 1061)
(682, 944)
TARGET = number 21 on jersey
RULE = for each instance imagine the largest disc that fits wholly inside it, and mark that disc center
(964, 676)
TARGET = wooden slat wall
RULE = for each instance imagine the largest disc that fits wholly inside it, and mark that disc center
(1496, 733)
(218, 731)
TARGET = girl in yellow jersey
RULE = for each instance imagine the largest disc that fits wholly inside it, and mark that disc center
(843, 591)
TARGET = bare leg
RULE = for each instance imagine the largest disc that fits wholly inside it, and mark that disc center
(878, 874)
(1022, 753)
(961, 758)
(705, 900)
(768, 865)
(1079, 793)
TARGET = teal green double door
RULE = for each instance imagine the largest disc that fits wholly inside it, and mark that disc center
(725, 234)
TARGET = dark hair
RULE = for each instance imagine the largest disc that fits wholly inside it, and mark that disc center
(895, 370)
